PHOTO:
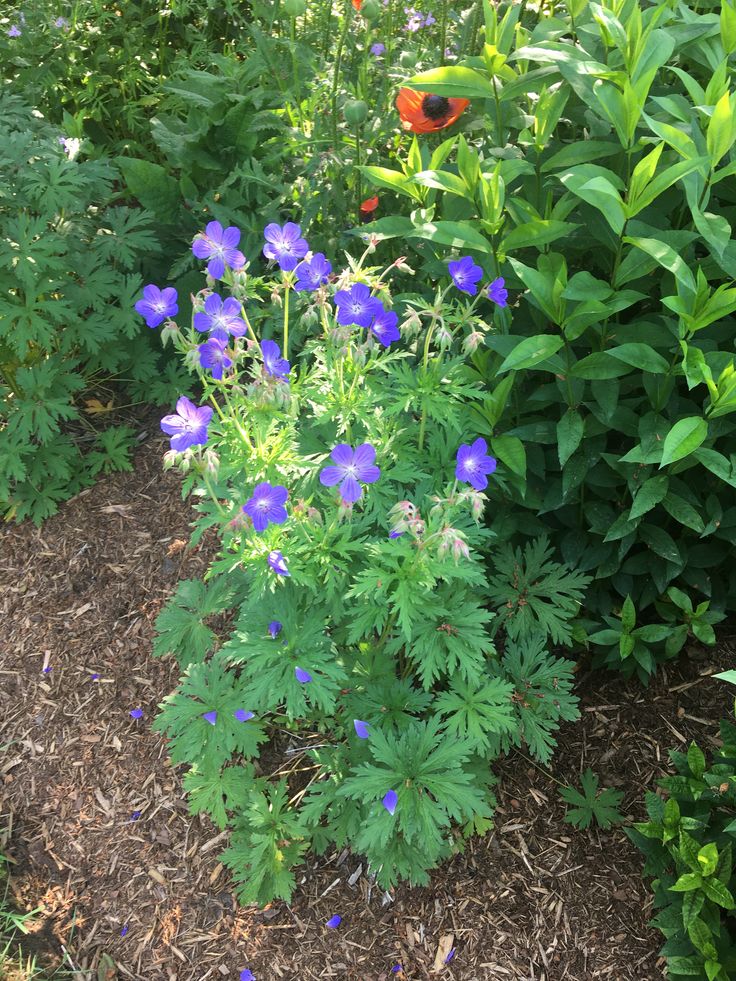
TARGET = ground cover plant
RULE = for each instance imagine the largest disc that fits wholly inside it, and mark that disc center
(348, 492)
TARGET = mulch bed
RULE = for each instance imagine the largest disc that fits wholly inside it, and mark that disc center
(534, 899)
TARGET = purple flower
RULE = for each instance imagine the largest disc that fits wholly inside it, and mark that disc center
(278, 563)
(135, 815)
(61, 22)
(384, 327)
(220, 318)
(157, 304)
(414, 22)
(473, 463)
(219, 246)
(429, 20)
(275, 365)
(124, 930)
(378, 49)
(450, 956)
(266, 505)
(136, 713)
(465, 275)
(312, 273)
(497, 293)
(303, 677)
(210, 717)
(284, 245)
(47, 669)
(247, 975)
(351, 466)
(361, 729)
(95, 677)
(390, 801)
(242, 716)
(275, 628)
(212, 356)
(396, 533)
(396, 968)
(357, 306)
(14, 31)
(189, 426)
(334, 921)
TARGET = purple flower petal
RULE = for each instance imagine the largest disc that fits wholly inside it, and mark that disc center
(135, 815)
(242, 716)
(210, 717)
(334, 921)
(136, 713)
(396, 968)
(275, 627)
(361, 729)
(95, 677)
(48, 669)
(124, 930)
(277, 562)
(247, 975)
(450, 956)
(302, 676)
(390, 801)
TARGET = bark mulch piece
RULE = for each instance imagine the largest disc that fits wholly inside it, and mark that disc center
(533, 899)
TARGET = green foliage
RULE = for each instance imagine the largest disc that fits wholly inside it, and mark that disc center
(688, 843)
(592, 805)
(67, 288)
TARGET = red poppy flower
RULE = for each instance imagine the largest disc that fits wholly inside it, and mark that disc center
(422, 112)
(367, 208)
(358, 4)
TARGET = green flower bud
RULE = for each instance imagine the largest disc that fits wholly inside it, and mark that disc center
(407, 59)
(356, 112)
(295, 8)
(370, 9)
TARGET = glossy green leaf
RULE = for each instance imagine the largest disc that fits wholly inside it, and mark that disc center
(531, 351)
(536, 233)
(651, 492)
(453, 81)
(569, 435)
(685, 436)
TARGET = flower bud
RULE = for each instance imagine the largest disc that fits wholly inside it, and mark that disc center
(444, 337)
(170, 459)
(169, 332)
(403, 265)
(211, 463)
(472, 342)
(370, 10)
(460, 549)
(355, 110)
(408, 59)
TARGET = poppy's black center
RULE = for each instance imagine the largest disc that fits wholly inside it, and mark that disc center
(435, 106)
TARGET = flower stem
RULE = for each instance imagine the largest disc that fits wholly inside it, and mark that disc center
(286, 318)
(443, 32)
(338, 61)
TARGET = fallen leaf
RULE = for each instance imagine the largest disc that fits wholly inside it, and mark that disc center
(96, 408)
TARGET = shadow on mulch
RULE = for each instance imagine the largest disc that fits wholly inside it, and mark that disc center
(534, 899)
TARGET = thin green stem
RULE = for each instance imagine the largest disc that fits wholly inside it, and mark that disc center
(286, 318)
(359, 182)
(443, 31)
(338, 62)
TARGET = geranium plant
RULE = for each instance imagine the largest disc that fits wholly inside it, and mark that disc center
(348, 487)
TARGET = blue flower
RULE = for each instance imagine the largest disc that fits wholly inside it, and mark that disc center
(242, 716)
(334, 921)
(312, 273)
(210, 717)
(273, 363)
(266, 505)
(465, 275)
(247, 975)
(14, 31)
(277, 562)
(378, 49)
(361, 729)
(136, 713)
(218, 244)
(385, 328)
(212, 356)
(220, 318)
(390, 801)
(284, 245)
(357, 306)
(275, 627)
(302, 676)
(353, 467)
(157, 305)
(497, 293)
(188, 427)
(473, 463)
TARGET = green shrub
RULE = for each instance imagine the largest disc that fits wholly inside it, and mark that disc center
(688, 842)
(597, 177)
(67, 324)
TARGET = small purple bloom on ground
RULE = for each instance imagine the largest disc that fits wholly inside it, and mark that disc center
(218, 244)
(357, 306)
(450, 956)
(220, 317)
(274, 364)
(334, 921)
(278, 563)
(384, 328)
(351, 467)
(275, 628)
(266, 505)
(473, 463)
(212, 356)
(247, 975)
(210, 717)
(390, 801)
(189, 426)
(302, 676)
(47, 669)
(312, 273)
(497, 293)
(396, 968)
(242, 716)
(378, 49)
(136, 713)
(284, 245)
(157, 305)
(135, 815)
(95, 677)
(361, 729)
(465, 275)
(124, 930)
